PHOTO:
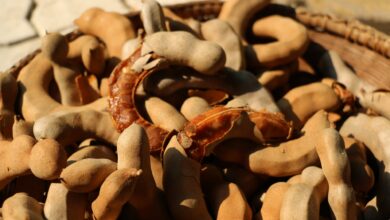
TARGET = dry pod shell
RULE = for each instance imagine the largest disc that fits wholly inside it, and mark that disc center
(205, 131)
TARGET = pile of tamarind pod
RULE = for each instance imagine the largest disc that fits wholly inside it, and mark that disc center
(162, 117)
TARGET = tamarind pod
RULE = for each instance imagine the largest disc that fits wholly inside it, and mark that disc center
(114, 193)
(68, 127)
(291, 41)
(62, 204)
(374, 142)
(182, 186)
(285, 158)
(273, 201)
(47, 159)
(86, 175)
(178, 53)
(164, 115)
(133, 152)
(34, 80)
(123, 83)
(376, 137)
(204, 132)
(303, 198)
(299, 203)
(131, 148)
(302, 102)
(336, 168)
(194, 106)
(55, 48)
(314, 177)
(118, 28)
(22, 206)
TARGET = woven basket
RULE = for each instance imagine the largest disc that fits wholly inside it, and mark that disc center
(362, 47)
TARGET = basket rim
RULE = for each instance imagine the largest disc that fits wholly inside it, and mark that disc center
(350, 29)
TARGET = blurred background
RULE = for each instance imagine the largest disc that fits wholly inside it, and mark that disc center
(25, 21)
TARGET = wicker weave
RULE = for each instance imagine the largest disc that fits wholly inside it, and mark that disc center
(362, 47)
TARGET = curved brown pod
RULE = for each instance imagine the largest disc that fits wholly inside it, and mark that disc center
(280, 159)
(205, 131)
(55, 48)
(184, 49)
(63, 204)
(133, 152)
(86, 175)
(47, 159)
(292, 41)
(123, 84)
(300, 103)
(35, 102)
(113, 28)
(69, 127)
(182, 186)
(376, 136)
(273, 201)
(114, 192)
(194, 106)
(336, 168)
(305, 194)
(22, 206)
